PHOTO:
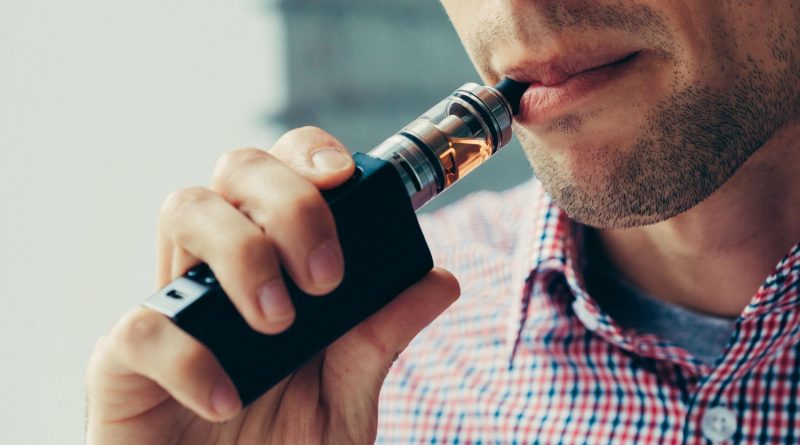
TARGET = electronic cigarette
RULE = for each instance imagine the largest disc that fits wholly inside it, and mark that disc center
(384, 249)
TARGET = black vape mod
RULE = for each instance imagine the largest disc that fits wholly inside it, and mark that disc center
(383, 247)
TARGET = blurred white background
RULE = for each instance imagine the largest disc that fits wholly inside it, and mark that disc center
(105, 107)
(108, 106)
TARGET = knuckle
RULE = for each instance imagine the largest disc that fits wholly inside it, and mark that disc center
(304, 205)
(304, 139)
(138, 327)
(177, 201)
(250, 250)
(308, 132)
(231, 160)
(98, 356)
(187, 359)
(377, 344)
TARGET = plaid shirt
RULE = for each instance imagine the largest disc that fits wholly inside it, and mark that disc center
(527, 356)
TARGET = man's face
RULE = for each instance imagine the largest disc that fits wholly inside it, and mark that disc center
(639, 109)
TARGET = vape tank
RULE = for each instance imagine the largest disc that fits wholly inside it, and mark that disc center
(453, 138)
(384, 249)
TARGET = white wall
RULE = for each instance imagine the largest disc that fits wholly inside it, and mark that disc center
(105, 107)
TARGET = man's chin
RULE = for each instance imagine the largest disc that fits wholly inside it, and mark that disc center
(612, 190)
(598, 210)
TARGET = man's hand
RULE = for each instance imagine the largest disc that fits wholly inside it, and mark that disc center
(151, 383)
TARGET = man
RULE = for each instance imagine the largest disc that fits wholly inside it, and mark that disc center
(630, 296)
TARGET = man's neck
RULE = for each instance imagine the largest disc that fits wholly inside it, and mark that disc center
(713, 257)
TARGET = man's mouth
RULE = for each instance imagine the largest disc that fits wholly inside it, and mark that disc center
(559, 85)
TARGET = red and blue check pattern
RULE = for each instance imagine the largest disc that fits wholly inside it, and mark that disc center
(527, 356)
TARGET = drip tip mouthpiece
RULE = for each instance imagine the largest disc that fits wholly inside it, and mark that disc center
(512, 91)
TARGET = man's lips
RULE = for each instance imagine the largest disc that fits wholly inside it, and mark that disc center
(557, 85)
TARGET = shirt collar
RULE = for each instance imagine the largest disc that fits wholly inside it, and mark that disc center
(546, 245)
(550, 245)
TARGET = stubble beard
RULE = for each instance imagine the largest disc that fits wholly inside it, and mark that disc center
(691, 144)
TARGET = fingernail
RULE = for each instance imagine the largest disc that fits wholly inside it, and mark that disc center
(224, 398)
(325, 265)
(275, 304)
(329, 159)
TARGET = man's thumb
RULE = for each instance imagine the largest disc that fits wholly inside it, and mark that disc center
(370, 348)
(315, 154)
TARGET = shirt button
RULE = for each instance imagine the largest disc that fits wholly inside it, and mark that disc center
(719, 424)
